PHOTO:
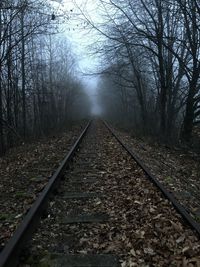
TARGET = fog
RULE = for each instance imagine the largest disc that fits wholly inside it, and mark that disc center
(134, 64)
(147, 82)
(81, 40)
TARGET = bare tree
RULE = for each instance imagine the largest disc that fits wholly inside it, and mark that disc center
(163, 35)
(37, 80)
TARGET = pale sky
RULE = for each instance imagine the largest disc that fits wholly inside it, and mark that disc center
(80, 38)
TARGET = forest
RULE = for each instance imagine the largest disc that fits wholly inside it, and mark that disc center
(148, 71)
(151, 67)
(99, 133)
(39, 88)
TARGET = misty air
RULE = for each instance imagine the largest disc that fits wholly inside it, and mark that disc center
(99, 133)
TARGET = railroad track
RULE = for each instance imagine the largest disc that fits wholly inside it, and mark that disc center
(104, 213)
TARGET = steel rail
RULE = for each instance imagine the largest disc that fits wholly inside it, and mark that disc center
(168, 195)
(9, 255)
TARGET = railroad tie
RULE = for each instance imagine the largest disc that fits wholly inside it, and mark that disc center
(81, 195)
(86, 218)
(80, 260)
(86, 180)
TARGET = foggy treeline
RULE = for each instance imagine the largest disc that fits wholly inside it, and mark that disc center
(150, 68)
(151, 65)
(38, 84)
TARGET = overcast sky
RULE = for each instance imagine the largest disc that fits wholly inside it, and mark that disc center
(80, 38)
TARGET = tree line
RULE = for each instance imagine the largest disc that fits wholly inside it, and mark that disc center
(151, 64)
(38, 84)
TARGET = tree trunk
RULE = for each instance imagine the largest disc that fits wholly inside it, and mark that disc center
(9, 91)
(186, 133)
(1, 102)
(23, 74)
(1, 118)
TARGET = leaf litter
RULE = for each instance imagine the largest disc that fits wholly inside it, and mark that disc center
(179, 171)
(143, 229)
(24, 172)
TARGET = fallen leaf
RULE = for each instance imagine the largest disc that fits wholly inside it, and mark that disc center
(180, 239)
(132, 252)
(149, 251)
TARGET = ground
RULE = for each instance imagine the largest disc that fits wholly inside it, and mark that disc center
(179, 171)
(24, 172)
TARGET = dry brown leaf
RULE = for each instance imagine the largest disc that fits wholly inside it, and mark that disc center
(149, 251)
(132, 252)
(177, 226)
(180, 239)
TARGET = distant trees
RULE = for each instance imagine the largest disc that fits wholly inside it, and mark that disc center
(156, 43)
(190, 11)
(38, 85)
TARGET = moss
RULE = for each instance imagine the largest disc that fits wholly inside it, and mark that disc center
(197, 218)
(44, 263)
(37, 179)
(41, 260)
(47, 261)
(6, 217)
(21, 194)
(169, 179)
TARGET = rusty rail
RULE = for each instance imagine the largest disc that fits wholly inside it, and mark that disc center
(179, 208)
(9, 255)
